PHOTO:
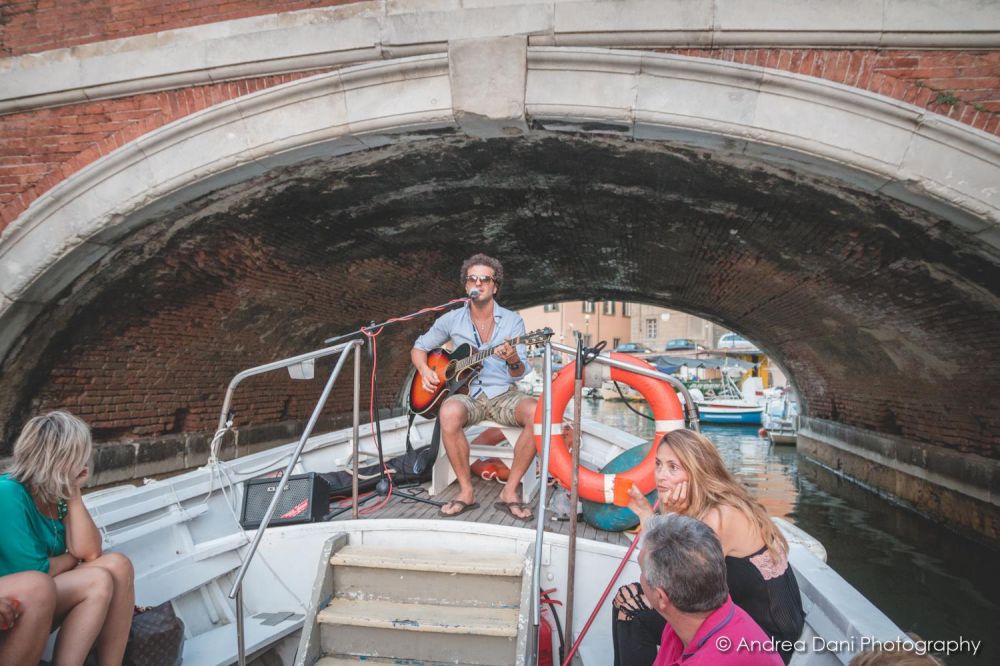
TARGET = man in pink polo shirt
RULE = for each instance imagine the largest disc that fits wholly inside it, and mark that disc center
(684, 578)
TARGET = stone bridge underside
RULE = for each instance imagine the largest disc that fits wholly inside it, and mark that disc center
(884, 315)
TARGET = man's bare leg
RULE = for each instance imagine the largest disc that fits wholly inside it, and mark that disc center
(453, 416)
(524, 455)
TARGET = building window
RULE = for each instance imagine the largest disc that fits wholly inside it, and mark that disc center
(626, 309)
(615, 342)
(608, 308)
(550, 307)
(588, 307)
(651, 328)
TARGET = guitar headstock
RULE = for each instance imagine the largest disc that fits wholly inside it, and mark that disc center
(537, 337)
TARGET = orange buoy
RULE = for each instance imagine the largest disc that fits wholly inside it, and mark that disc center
(491, 468)
(595, 486)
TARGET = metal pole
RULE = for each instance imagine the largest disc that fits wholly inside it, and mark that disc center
(241, 649)
(574, 495)
(543, 481)
(605, 359)
(357, 421)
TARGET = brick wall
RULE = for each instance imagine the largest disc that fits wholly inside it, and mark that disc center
(153, 355)
(30, 26)
(40, 148)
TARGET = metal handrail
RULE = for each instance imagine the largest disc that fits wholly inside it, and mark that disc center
(237, 590)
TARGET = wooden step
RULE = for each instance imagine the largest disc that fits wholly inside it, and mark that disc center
(350, 660)
(421, 617)
(427, 577)
(423, 633)
(442, 561)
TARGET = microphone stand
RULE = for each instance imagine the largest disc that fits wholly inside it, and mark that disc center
(382, 487)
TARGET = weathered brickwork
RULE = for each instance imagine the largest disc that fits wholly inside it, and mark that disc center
(40, 148)
(153, 357)
(29, 26)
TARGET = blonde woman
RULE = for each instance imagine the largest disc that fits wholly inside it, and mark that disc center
(691, 479)
(47, 528)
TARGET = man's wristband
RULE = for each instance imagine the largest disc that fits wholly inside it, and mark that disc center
(515, 365)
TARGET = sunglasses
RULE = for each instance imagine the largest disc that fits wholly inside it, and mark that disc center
(484, 279)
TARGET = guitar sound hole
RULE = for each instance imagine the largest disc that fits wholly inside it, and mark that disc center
(449, 372)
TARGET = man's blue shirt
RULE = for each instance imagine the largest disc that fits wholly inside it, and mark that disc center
(457, 326)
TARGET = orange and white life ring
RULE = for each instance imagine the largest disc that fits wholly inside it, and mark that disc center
(595, 486)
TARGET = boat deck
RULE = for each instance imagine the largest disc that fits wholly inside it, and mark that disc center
(487, 492)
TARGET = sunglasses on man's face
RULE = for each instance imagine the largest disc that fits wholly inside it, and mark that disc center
(483, 279)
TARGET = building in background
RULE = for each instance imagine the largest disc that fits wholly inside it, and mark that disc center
(654, 326)
(597, 320)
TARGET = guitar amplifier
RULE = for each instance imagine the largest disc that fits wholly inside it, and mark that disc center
(304, 499)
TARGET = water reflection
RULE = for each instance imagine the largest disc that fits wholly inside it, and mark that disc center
(928, 580)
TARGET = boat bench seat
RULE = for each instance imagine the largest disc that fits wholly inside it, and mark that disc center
(188, 571)
(443, 475)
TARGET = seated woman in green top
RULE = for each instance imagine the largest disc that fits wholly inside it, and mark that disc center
(47, 528)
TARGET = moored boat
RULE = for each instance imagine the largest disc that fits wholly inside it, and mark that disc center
(736, 405)
(780, 419)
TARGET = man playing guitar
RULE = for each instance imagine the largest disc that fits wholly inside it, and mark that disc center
(492, 393)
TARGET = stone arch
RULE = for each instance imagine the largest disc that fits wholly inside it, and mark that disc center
(790, 121)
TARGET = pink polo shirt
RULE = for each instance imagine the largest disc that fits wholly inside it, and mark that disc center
(727, 636)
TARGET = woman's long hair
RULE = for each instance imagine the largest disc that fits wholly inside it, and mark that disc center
(49, 453)
(710, 484)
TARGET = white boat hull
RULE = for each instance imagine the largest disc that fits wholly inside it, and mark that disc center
(185, 541)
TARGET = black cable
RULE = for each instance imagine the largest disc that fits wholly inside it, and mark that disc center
(559, 630)
(625, 400)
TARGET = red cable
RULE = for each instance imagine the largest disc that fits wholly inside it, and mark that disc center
(604, 596)
(373, 335)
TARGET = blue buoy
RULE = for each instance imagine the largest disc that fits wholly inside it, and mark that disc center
(609, 517)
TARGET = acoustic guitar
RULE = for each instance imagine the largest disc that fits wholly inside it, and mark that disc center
(456, 369)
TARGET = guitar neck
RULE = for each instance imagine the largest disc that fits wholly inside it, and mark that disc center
(483, 354)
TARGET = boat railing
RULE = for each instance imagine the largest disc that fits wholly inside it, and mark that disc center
(225, 421)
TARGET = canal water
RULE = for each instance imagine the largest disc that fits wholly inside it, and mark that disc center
(927, 579)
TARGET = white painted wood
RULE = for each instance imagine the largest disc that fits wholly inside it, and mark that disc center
(412, 559)
(421, 618)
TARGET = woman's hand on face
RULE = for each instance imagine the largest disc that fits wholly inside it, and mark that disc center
(81, 479)
(10, 610)
(638, 503)
(675, 500)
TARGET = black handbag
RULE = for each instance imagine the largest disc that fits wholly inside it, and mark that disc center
(156, 637)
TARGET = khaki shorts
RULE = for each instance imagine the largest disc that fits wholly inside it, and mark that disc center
(500, 409)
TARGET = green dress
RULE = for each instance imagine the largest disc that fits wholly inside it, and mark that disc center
(28, 538)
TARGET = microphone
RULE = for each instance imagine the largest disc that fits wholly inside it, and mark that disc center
(474, 292)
